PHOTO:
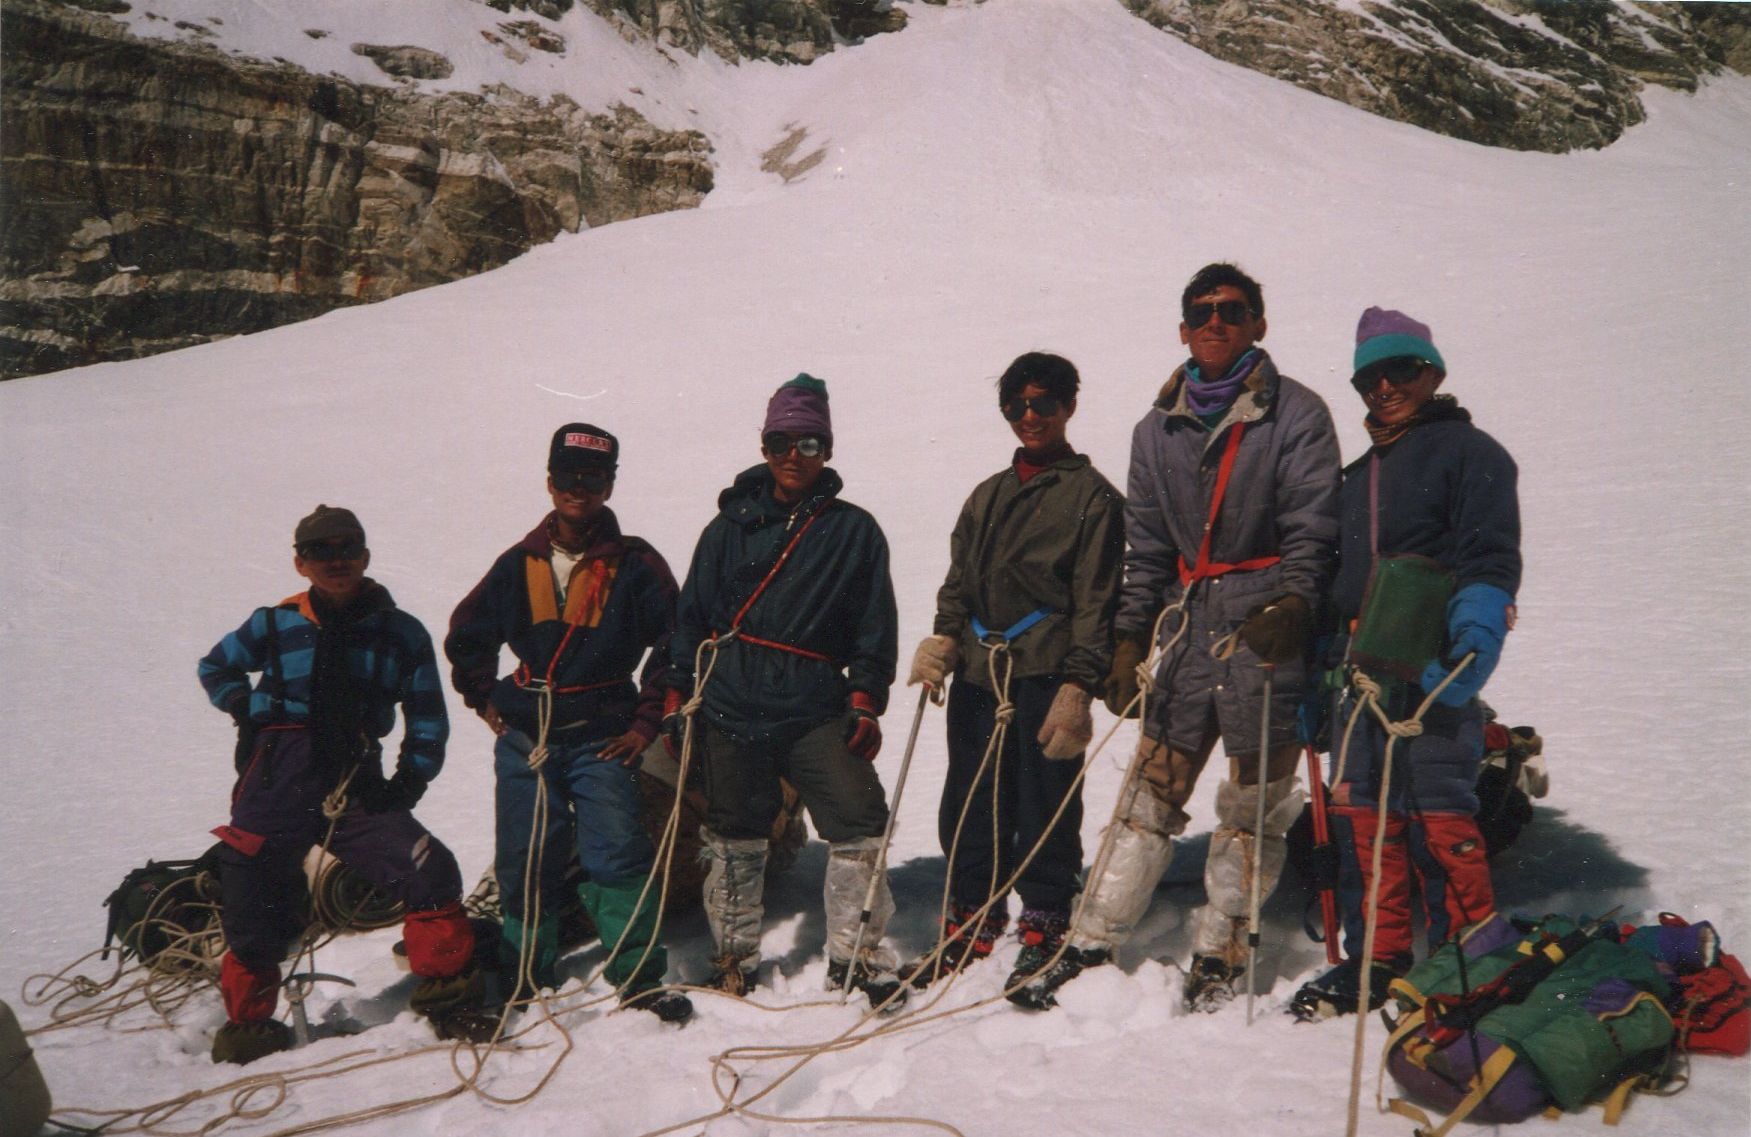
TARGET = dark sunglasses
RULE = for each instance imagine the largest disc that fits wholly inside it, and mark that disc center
(778, 445)
(1043, 405)
(583, 481)
(1397, 372)
(1230, 312)
(351, 551)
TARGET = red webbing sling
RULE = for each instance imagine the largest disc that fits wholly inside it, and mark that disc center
(1205, 568)
(736, 623)
(542, 605)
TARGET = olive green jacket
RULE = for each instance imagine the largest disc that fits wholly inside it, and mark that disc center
(1057, 543)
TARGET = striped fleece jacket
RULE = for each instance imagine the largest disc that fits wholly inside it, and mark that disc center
(387, 649)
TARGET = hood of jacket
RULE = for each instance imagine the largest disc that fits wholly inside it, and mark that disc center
(749, 499)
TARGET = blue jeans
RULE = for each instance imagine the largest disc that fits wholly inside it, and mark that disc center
(596, 799)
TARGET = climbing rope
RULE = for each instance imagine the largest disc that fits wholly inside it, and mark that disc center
(1370, 692)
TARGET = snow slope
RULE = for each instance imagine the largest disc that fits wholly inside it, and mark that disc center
(1030, 174)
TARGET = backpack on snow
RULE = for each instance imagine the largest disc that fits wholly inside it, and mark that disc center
(1507, 1021)
(161, 904)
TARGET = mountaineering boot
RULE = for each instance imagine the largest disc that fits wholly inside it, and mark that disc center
(1334, 992)
(854, 945)
(883, 988)
(962, 945)
(1211, 983)
(1219, 945)
(242, 1043)
(453, 1005)
(731, 977)
(734, 898)
(1041, 932)
(669, 1006)
(1041, 993)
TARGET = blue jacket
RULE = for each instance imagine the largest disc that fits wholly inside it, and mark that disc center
(620, 603)
(1447, 491)
(388, 655)
(833, 598)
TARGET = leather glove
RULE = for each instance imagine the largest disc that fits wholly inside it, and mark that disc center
(1069, 727)
(1477, 621)
(1121, 682)
(400, 793)
(931, 663)
(1277, 631)
(863, 736)
(674, 727)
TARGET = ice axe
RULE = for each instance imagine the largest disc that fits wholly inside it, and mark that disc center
(297, 987)
(881, 865)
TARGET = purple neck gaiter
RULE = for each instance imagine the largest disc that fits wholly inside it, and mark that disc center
(1209, 397)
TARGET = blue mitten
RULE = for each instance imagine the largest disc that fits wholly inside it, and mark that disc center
(1477, 622)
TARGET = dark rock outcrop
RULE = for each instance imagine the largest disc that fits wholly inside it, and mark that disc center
(789, 31)
(161, 194)
(1551, 75)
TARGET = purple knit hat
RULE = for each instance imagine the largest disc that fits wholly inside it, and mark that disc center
(1385, 334)
(800, 407)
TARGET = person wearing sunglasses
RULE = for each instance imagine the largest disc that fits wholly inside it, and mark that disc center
(335, 662)
(580, 604)
(1433, 485)
(1231, 528)
(790, 594)
(1025, 611)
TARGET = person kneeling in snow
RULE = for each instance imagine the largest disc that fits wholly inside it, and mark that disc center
(334, 661)
(790, 594)
(580, 604)
(1024, 619)
(1431, 485)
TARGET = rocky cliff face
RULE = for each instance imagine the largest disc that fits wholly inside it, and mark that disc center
(1550, 75)
(788, 31)
(158, 195)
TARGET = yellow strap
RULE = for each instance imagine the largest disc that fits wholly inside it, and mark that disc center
(1493, 1069)
(1405, 1109)
(1408, 1024)
(1401, 987)
(543, 602)
(1618, 1100)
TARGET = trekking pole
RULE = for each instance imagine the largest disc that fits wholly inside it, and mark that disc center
(881, 865)
(1258, 840)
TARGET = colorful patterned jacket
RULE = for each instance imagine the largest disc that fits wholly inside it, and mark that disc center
(388, 655)
(619, 604)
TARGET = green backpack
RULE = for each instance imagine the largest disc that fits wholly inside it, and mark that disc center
(1508, 1021)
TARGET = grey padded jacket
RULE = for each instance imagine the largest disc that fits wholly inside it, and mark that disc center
(1282, 500)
